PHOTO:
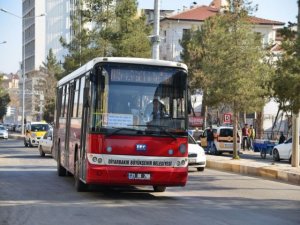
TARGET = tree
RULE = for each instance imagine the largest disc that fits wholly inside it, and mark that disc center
(102, 28)
(286, 77)
(4, 101)
(80, 48)
(52, 66)
(131, 38)
(192, 55)
(232, 62)
(287, 80)
(50, 72)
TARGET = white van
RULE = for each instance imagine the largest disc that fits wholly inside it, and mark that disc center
(223, 140)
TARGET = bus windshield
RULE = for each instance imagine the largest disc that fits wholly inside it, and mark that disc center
(138, 97)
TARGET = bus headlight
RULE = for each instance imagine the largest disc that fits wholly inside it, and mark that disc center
(182, 148)
(95, 159)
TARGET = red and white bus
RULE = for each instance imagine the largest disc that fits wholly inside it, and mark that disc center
(105, 131)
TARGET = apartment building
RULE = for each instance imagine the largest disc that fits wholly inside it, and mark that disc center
(173, 27)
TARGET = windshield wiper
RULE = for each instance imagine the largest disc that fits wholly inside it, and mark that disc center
(121, 129)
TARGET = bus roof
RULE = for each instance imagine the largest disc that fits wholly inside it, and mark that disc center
(89, 65)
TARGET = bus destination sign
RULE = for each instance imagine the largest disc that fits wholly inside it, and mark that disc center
(141, 76)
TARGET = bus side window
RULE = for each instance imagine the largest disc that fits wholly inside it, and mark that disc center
(80, 103)
(87, 99)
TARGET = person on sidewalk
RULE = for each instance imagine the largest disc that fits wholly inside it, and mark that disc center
(210, 140)
(245, 134)
(251, 137)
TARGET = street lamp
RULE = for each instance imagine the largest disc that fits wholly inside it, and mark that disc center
(23, 63)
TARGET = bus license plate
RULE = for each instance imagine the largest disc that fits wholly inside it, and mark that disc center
(139, 176)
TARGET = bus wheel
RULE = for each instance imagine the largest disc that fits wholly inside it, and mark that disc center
(79, 185)
(61, 171)
(159, 188)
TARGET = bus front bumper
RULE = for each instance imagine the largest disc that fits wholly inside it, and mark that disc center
(118, 175)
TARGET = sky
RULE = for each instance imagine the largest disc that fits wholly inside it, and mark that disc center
(11, 27)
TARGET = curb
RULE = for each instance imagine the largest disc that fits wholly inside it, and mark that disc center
(269, 172)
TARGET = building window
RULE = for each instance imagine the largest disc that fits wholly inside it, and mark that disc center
(185, 32)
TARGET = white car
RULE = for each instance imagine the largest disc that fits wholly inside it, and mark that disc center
(283, 151)
(18, 128)
(197, 157)
(3, 132)
(46, 143)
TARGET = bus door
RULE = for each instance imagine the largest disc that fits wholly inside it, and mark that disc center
(84, 126)
(69, 154)
(57, 116)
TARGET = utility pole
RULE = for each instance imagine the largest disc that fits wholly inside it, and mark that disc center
(155, 37)
(295, 144)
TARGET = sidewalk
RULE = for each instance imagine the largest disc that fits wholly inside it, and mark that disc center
(250, 163)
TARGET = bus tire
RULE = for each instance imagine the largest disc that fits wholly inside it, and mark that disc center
(159, 188)
(79, 185)
(61, 171)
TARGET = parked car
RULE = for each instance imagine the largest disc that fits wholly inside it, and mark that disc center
(223, 140)
(3, 132)
(19, 128)
(46, 143)
(283, 151)
(197, 157)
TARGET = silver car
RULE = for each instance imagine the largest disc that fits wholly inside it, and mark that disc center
(46, 143)
(3, 132)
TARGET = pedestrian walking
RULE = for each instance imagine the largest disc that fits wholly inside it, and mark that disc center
(210, 140)
(251, 137)
(245, 134)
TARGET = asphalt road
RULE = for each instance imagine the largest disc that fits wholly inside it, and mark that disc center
(31, 193)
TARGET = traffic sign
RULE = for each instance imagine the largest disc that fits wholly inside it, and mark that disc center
(227, 118)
